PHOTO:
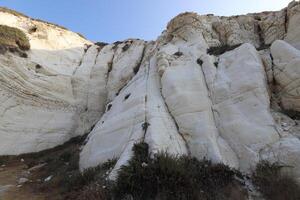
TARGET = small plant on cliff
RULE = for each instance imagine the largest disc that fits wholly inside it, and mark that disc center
(295, 115)
(216, 51)
(10, 36)
(274, 184)
(168, 177)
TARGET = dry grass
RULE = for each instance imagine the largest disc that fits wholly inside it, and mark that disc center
(10, 36)
(13, 12)
(274, 184)
(16, 13)
(169, 177)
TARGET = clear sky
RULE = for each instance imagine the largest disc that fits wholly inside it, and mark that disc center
(112, 20)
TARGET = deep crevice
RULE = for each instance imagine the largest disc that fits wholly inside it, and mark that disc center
(137, 67)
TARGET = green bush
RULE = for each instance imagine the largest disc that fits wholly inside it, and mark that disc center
(170, 177)
(274, 184)
(10, 36)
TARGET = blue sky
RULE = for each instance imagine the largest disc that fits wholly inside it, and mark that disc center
(112, 20)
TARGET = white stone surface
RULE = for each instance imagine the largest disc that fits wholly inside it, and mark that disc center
(123, 124)
(57, 93)
(293, 31)
(126, 60)
(241, 104)
(185, 91)
(168, 93)
(286, 152)
(287, 74)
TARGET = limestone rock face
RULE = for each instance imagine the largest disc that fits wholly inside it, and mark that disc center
(241, 104)
(286, 74)
(238, 106)
(293, 32)
(58, 92)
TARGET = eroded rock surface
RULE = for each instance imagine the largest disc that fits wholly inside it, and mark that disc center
(171, 93)
(218, 106)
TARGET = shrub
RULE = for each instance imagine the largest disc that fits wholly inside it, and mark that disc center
(101, 44)
(216, 64)
(178, 54)
(10, 36)
(263, 47)
(295, 115)
(125, 47)
(275, 184)
(90, 192)
(80, 34)
(216, 51)
(199, 61)
(16, 13)
(170, 177)
(77, 180)
(6, 159)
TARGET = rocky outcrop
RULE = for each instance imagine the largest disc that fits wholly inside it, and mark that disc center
(286, 74)
(176, 93)
(215, 107)
(57, 91)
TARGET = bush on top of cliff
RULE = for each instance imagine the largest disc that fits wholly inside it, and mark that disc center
(16, 13)
(274, 184)
(13, 12)
(10, 36)
(169, 177)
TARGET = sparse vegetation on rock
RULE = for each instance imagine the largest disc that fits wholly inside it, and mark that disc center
(10, 36)
(13, 12)
(170, 177)
(274, 183)
(216, 51)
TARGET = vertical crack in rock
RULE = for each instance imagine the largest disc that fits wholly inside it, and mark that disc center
(146, 123)
(110, 66)
(81, 60)
(137, 67)
(209, 92)
(92, 124)
(135, 70)
(125, 65)
(260, 35)
(146, 61)
(286, 20)
(214, 113)
(176, 124)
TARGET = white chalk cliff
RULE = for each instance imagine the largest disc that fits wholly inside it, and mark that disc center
(171, 93)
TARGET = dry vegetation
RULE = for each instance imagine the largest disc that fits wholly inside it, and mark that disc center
(216, 51)
(162, 177)
(274, 183)
(16, 13)
(10, 36)
(169, 177)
